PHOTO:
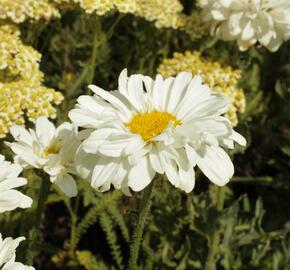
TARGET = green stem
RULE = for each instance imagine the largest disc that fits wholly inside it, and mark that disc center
(215, 239)
(138, 233)
(93, 61)
(73, 217)
(42, 197)
(88, 72)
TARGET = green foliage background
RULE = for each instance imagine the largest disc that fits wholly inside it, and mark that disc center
(245, 225)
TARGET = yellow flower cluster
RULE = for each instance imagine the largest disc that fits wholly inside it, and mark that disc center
(18, 11)
(222, 80)
(21, 92)
(165, 13)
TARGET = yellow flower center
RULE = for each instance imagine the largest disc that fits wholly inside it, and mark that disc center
(151, 124)
(54, 149)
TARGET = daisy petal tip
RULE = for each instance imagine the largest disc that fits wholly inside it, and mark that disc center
(124, 73)
(94, 88)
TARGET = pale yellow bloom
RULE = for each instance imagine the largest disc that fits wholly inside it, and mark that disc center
(164, 13)
(22, 94)
(221, 79)
(20, 10)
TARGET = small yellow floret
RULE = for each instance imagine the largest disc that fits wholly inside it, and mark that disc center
(151, 124)
(164, 13)
(22, 94)
(18, 11)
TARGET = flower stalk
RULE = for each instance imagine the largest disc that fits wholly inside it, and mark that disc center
(215, 239)
(138, 233)
(42, 197)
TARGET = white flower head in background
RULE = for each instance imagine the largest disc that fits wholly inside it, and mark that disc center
(48, 148)
(156, 126)
(8, 253)
(249, 21)
(10, 198)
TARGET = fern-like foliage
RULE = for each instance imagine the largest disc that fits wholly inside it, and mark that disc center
(92, 215)
(107, 226)
(119, 219)
(89, 262)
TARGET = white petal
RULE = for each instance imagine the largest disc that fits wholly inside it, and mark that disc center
(178, 90)
(10, 183)
(21, 134)
(187, 179)
(165, 93)
(96, 139)
(158, 94)
(8, 170)
(114, 101)
(91, 111)
(148, 82)
(120, 143)
(12, 199)
(215, 105)
(122, 82)
(248, 31)
(45, 130)
(8, 249)
(195, 94)
(179, 176)
(135, 157)
(156, 160)
(218, 15)
(213, 125)
(120, 175)
(25, 153)
(215, 163)
(103, 171)
(85, 163)
(238, 138)
(11, 265)
(141, 175)
(67, 184)
(135, 91)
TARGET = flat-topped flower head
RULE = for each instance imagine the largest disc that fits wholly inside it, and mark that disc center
(10, 198)
(22, 93)
(249, 21)
(8, 253)
(147, 126)
(49, 148)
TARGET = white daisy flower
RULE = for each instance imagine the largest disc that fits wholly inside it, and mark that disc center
(8, 253)
(10, 198)
(156, 126)
(249, 21)
(16, 266)
(48, 148)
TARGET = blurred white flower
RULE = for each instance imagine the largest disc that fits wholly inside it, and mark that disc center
(48, 148)
(8, 253)
(155, 126)
(16, 266)
(9, 197)
(249, 21)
